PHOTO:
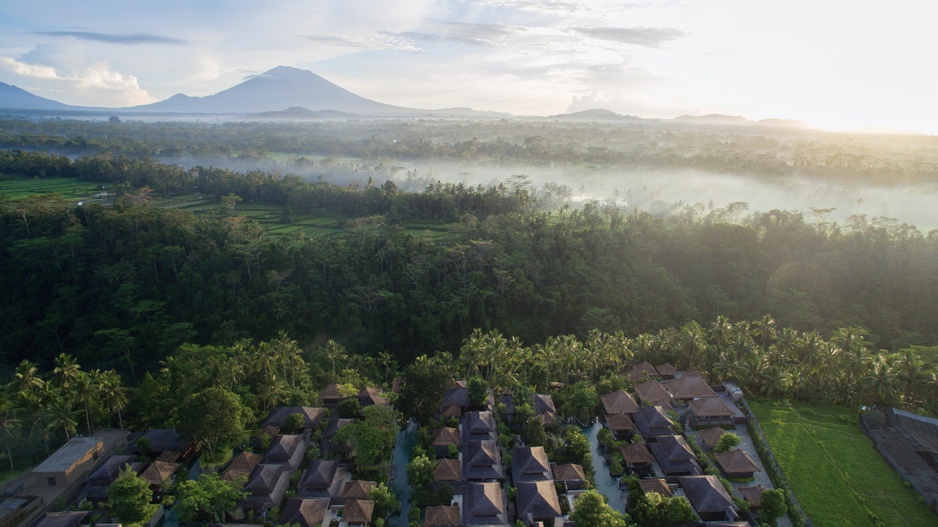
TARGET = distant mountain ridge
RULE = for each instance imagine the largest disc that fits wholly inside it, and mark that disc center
(15, 98)
(276, 89)
(736, 120)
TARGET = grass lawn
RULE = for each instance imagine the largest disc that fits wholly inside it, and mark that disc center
(834, 470)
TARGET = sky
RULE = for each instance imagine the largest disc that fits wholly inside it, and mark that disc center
(834, 64)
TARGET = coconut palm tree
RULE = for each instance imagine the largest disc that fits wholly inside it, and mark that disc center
(86, 391)
(66, 371)
(115, 397)
(26, 379)
(881, 382)
(9, 427)
(61, 415)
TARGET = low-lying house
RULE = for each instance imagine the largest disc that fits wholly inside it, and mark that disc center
(618, 402)
(537, 501)
(441, 516)
(455, 400)
(356, 490)
(710, 411)
(69, 463)
(675, 456)
(266, 487)
(159, 473)
(95, 486)
(286, 449)
(358, 512)
(311, 415)
(330, 395)
(666, 371)
(61, 519)
(482, 461)
(328, 442)
(306, 512)
(653, 422)
(656, 485)
(708, 497)
(652, 393)
(688, 387)
(637, 458)
(241, 466)
(443, 439)
(530, 464)
(735, 464)
(323, 479)
(447, 471)
(621, 425)
(484, 504)
(752, 495)
(479, 426)
(372, 397)
(544, 407)
(571, 475)
(711, 436)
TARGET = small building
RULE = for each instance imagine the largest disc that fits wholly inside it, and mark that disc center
(688, 387)
(323, 479)
(710, 411)
(484, 504)
(443, 439)
(571, 475)
(753, 496)
(61, 519)
(266, 487)
(372, 397)
(286, 449)
(358, 513)
(621, 425)
(479, 426)
(447, 471)
(482, 461)
(708, 497)
(357, 490)
(69, 463)
(711, 436)
(455, 400)
(330, 395)
(735, 393)
(241, 466)
(653, 422)
(637, 458)
(618, 402)
(441, 516)
(651, 392)
(530, 464)
(159, 474)
(675, 457)
(735, 464)
(656, 485)
(666, 371)
(311, 415)
(306, 512)
(537, 501)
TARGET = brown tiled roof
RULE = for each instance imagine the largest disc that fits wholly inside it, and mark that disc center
(646, 367)
(483, 504)
(452, 411)
(447, 470)
(569, 472)
(320, 474)
(311, 415)
(159, 471)
(530, 461)
(544, 403)
(752, 494)
(358, 489)
(689, 387)
(331, 391)
(480, 423)
(711, 436)
(169, 456)
(264, 478)
(620, 422)
(538, 499)
(548, 418)
(636, 376)
(441, 516)
(307, 512)
(656, 485)
(283, 447)
(619, 402)
(666, 370)
(446, 436)
(651, 392)
(372, 396)
(714, 407)
(358, 511)
(241, 465)
(707, 494)
(735, 462)
(636, 454)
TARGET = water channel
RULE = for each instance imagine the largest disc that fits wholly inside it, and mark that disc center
(605, 483)
(406, 439)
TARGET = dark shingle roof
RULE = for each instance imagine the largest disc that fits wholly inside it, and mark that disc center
(619, 402)
(484, 504)
(358, 489)
(307, 512)
(620, 422)
(569, 472)
(707, 494)
(636, 454)
(689, 387)
(656, 485)
(735, 462)
(447, 470)
(241, 465)
(109, 470)
(158, 472)
(530, 464)
(446, 436)
(537, 499)
(752, 494)
(544, 404)
(311, 415)
(358, 511)
(320, 474)
(710, 407)
(441, 516)
(711, 436)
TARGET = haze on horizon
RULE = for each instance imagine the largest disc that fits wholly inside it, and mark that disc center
(834, 64)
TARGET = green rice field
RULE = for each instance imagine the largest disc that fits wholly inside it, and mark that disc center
(69, 188)
(835, 472)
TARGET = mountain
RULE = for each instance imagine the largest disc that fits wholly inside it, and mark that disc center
(13, 98)
(274, 90)
(714, 118)
(298, 113)
(595, 114)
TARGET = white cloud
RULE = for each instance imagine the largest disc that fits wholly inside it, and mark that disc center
(27, 70)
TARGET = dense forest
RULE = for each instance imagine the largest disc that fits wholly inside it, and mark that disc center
(124, 285)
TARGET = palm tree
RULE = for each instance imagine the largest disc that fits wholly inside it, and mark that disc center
(112, 389)
(86, 390)
(66, 371)
(62, 415)
(9, 427)
(334, 352)
(881, 381)
(26, 380)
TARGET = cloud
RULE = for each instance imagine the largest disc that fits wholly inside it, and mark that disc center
(27, 70)
(456, 32)
(132, 39)
(651, 37)
(542, 6)
(330, 40)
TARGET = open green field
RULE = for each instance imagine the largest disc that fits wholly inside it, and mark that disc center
(836, 474)
(268, 216)
(69, 188)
